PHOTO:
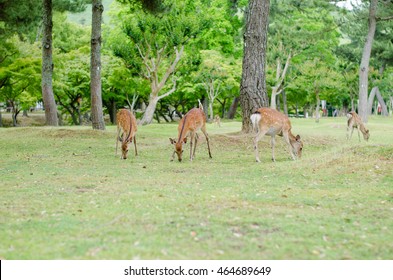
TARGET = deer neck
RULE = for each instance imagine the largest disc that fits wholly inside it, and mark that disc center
(292, 138)
(182, 132)
(362, 128)
(129, 132)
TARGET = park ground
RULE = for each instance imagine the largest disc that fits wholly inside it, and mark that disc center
(65, 195)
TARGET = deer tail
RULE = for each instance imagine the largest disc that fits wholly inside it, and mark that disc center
(255, 118)
(349, 115)
(200, 105)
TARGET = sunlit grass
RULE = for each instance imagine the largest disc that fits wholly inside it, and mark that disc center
(64, 195)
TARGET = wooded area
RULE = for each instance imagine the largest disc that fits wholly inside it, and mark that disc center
(165, 55)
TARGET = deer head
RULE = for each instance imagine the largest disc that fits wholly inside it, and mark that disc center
(366, 134)
(178, 148)
(297, 146)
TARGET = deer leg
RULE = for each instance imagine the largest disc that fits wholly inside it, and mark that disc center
(273, 142)
(117, 139)
(136, 152)
(196, 141)
(348, 128)
(350, 136)
(207, 139)
(358, 134)
(257, 138)
(192, 136)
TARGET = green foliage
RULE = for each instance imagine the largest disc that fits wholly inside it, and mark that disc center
(71, 83)
(68, 36)
(20, 75)
(23, 17)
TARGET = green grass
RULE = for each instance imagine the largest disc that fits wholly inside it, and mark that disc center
(64, 195)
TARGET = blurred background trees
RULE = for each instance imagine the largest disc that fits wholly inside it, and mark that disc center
(318, 43)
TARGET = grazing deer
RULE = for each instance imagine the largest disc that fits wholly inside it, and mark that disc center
(191, 122)
(271, 122)
(217, 121)
(354, 121)
(126, 122)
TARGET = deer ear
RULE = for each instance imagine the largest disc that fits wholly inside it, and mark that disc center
(298, 138)
(185, 140)
(173, 141)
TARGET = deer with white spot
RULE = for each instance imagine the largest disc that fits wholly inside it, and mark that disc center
(272, 122)
(354, 121)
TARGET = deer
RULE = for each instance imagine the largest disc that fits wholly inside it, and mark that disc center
(217, 121)
(272, 122)
(126, 125)
(191, 122)
(354, 121)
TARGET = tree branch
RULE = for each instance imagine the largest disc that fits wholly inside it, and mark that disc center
(384, 18)
(174, 79)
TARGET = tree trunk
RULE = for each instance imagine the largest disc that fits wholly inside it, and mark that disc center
(317, 116)
(273, 98)
(149, 112)
(211, 110)
(253, 94)
(233, 108)
(284, 101)
(371, 100)
(280, 77)
(47, 66)
(97, 116)
(384, 108)
(364, 64)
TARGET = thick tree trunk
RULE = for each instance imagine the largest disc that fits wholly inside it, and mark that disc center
(253, 94)
(97, 116)
(273, 98)
(149, 112)
(47, 66)
(364, 64)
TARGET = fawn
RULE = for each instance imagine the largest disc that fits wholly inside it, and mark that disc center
(354, 121)
(271, 122)
(126, 122)
(194, 120)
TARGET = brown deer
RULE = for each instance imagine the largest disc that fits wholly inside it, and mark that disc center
(271, 122)
(191, 122)
(126, 123)
(217, 121)
(354, 121)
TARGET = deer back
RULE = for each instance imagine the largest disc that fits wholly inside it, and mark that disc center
(127, 122)
(274, 121)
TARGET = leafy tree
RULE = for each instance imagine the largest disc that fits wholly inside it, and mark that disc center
(20, 78)
(72, 83)
(298, 31)
(159, 40)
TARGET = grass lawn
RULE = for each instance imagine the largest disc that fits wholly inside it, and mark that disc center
(64, 195)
